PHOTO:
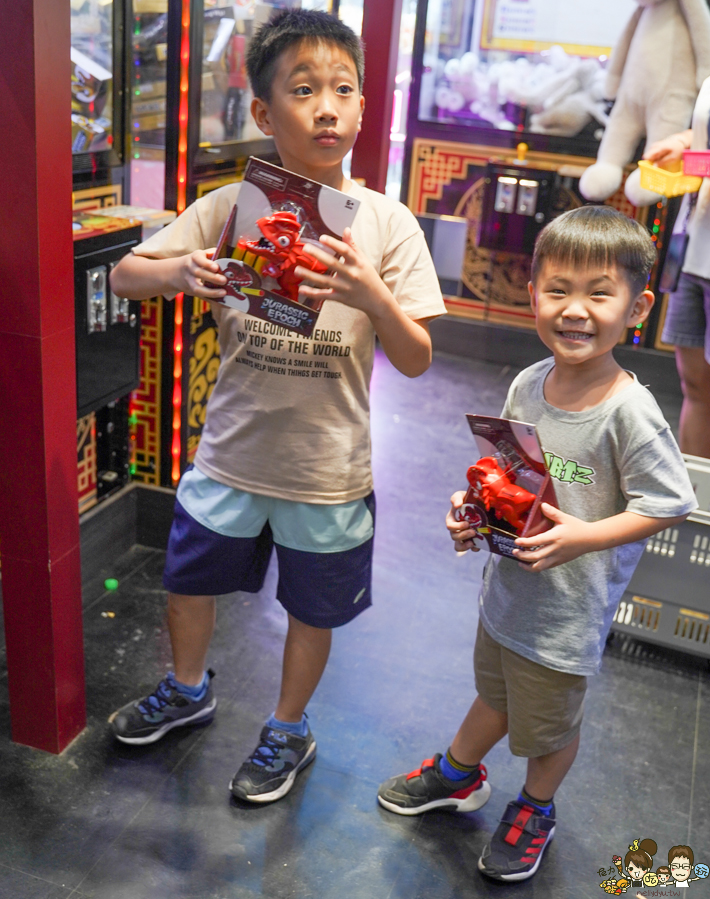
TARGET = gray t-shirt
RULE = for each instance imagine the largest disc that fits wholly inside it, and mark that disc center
(619, 456)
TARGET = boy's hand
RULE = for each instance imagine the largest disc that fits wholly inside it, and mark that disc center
(354, 282)
(461, 531)
(197, 275)
(352, 279)
(668, 150)
(567, 540)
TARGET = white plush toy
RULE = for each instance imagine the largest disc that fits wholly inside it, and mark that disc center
(654, 74)
(575, 104)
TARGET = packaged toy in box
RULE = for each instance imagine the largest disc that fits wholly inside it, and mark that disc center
(507, 485)
(276, 215)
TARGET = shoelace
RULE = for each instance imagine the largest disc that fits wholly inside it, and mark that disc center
(265, 752)
(158, 698)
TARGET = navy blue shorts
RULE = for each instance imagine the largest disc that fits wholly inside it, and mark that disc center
(323, 588)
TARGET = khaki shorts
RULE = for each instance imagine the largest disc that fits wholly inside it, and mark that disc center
(544, 706)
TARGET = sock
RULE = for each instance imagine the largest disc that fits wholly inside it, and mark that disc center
(545, 808)
(300, 728)
(195, 693)
(453, 770)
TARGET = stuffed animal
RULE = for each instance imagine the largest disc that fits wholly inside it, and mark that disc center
(575, 104)
(654, 74)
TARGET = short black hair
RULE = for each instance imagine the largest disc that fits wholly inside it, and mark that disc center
(287, 27)
(597, 235)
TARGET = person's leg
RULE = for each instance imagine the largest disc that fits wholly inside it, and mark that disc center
(457, 779)
(545, 709)
(546, 773)
(305, 656)
(184, 696)
(481, 729)
(686, 327)
(200, 563)
(325, 574)
(694, 374)
(191, 621)
(528, 823)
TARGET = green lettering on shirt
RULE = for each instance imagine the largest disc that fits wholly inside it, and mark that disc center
(568, 472)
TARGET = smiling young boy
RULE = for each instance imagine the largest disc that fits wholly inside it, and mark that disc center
(619, 478)
(282, 461)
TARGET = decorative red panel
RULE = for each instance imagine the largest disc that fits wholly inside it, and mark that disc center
(39, 522)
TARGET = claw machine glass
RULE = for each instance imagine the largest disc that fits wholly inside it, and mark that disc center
(98, 76)
(149, 56)
(511, 88)
(210, 132)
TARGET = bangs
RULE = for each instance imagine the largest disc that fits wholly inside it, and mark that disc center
(597, 237)
(291, 26)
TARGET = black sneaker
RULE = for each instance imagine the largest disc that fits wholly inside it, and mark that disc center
(270, 771)
(427, 788)
(147, 720)
(518, 844)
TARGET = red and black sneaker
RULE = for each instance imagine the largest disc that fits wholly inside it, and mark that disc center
(518, 844)
(427, 788)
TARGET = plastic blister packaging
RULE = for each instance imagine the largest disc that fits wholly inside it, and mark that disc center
(507, 485)
(277, 214)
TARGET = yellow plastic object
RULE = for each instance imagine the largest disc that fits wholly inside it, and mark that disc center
(670, 182)
(522, 150)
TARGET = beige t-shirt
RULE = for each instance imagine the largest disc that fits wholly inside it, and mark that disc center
(290, 417)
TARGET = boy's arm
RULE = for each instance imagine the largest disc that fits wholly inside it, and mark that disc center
(670, 149)
(571, 537)
(354, 282)
(140, 277)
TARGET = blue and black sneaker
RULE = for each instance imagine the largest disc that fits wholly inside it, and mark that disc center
(147, 720)
(270, 771)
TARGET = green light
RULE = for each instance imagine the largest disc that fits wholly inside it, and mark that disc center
(136, 155)
(133, 469)
(134, 418)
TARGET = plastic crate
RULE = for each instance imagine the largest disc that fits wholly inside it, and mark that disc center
(697, 162)
(668, 601)
(670, 182)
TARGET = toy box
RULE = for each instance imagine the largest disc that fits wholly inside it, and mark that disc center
(276, 214)
(507, 485)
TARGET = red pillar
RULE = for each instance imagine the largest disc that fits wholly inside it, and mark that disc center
(380, 34)
(39, 526)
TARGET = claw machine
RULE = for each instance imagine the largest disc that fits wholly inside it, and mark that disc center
(106, 327)
(506, 111)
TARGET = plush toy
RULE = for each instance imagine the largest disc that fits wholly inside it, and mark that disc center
(575, 103)
(654, 74)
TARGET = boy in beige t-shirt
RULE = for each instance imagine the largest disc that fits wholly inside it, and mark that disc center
(284, 458)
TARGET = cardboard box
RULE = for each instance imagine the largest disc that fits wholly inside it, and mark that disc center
(276, 213)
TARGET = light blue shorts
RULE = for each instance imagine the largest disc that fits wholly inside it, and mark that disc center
(309, 527)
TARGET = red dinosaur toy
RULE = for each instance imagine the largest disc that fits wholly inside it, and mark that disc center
(282, 248)
(497, 490)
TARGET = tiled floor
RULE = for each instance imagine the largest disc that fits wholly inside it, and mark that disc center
(110, 822)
